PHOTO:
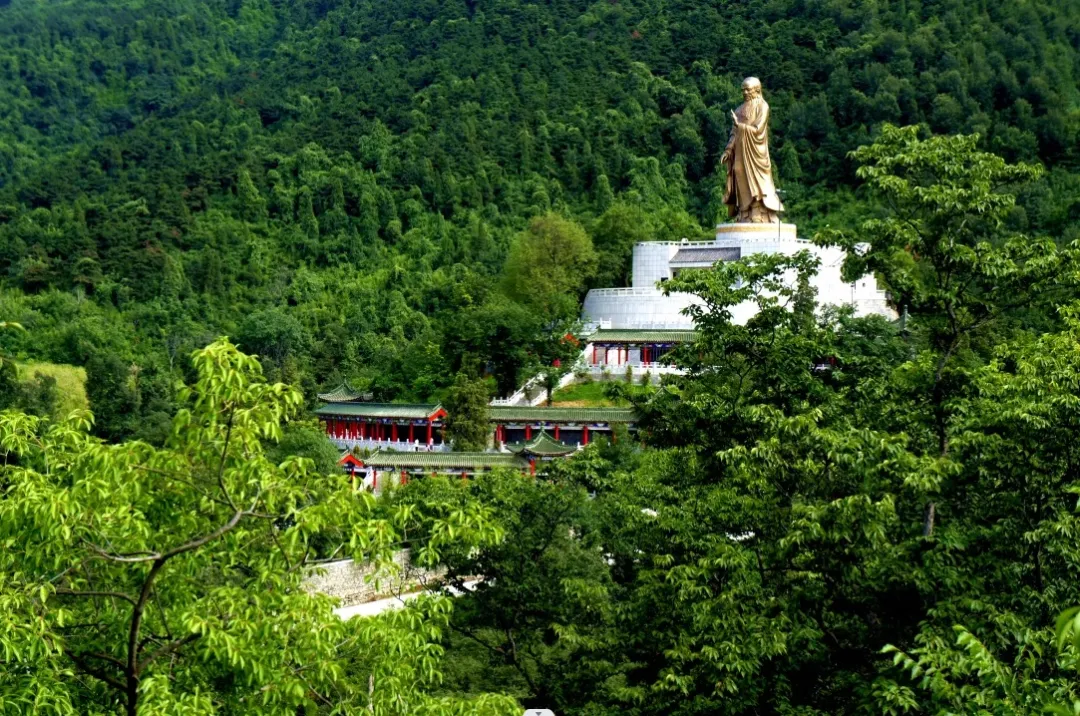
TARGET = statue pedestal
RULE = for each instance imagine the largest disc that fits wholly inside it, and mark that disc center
(741, 234)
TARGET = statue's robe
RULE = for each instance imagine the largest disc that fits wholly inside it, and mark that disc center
(749, 174)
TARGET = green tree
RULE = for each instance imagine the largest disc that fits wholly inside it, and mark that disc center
(306, 439)
(306, 215)
(548, 266)
(466, 403)
(169, 580)
(540, 622)
(943, 249)
(614, 234)
(252, 204)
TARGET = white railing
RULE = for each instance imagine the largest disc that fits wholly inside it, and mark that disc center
(660, 326)
(628, 291)
(533, 392)
(396, 445)
(637, 368)
(541, 396)
(683, 242)
(538, 394)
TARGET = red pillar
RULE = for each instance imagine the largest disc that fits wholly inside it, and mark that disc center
(429, 431)
(585, 435)
(528, 433)
(393, 432)
(411, 432)
(532, 467)
(594, 354)
(404, 477)
(556, 432)
(363, 429)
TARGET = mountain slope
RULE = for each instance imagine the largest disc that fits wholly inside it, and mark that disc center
(338, 184)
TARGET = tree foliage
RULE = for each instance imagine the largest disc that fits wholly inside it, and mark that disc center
(841, 515)
(466, 404)
(171, 171)
(169, 580)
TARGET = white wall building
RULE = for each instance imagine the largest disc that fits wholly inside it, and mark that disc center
(643, 305)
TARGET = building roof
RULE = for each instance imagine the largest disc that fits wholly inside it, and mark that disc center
(345, 393)
(528, 414)
(348, 458)
(706, 254)
(423, 411)
(444, 460)
(622, 335)
(543, 445)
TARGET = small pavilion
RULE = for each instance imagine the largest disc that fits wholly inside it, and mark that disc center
(345, 393)
(386, 465)
(419, 427)
(636, 347)
(542, 448)
(385, 425)
(570, 426)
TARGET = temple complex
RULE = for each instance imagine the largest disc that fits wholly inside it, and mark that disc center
(386, 466)
(645, 349)
(397, 426)
(351, 423)
(631, 330)
(643, 306)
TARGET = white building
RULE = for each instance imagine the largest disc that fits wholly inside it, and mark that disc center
(643, 305)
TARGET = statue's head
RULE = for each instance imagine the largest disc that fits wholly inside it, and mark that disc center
(751, 88)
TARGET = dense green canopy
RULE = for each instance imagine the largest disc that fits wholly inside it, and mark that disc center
(336, 185)
(823, 515)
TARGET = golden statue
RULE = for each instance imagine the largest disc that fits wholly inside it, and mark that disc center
(750, 193)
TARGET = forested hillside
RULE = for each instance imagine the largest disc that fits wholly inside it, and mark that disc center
(337, 185)
(818, 514)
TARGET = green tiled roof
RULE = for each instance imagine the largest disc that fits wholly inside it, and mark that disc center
(344, 393)
(617, 335)
(526, 414)
(543, 445)
(379, 410)
(444, 460)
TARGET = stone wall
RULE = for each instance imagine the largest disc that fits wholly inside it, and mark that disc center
(356, 583)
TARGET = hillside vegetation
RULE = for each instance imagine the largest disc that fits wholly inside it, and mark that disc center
(337, 185)
(70, 384)
(819, 515)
